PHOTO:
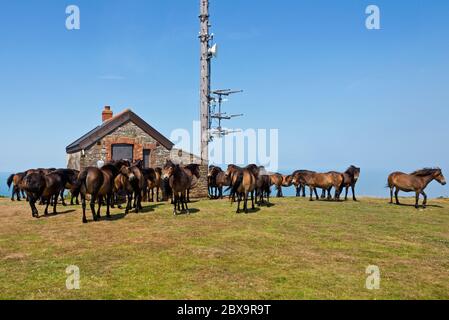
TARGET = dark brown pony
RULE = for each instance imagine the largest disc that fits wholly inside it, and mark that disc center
(263, 188)
(154, 181)
(38, 185)
(214, 189)
(298, 182)
(242, 183)
(139, 184)
(415, 182)
(179, 180)
(221, 181)
(15, 180)
(351, 177)
(324, 181)
(99, 183)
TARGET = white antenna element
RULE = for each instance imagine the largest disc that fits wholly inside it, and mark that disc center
(213, 51)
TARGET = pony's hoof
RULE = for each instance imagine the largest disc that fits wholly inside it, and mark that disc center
(84, 220)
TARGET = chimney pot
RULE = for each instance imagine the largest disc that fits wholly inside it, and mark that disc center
(107, 114)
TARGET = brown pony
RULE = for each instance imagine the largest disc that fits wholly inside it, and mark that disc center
(324, 181)
(122, 183)
(221, 181)
(155, 183)
(243, 182)
(277, 180)
(298, 182)
(179, 180)
(351, 177)
(15, 180)
(99, 183)
(415, 182)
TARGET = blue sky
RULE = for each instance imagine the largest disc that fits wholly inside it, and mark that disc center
(339, 93)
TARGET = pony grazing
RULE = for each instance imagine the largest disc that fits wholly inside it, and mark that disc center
(38, 185)
(415, 182)
(99, 183)
(179, 180)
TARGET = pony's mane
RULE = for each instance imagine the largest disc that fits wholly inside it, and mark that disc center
(352, 169)
(194, 168)
(425, 172)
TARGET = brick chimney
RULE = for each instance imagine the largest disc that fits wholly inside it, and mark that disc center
(107, 114)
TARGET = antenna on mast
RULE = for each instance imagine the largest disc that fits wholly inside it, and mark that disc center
(218, 97)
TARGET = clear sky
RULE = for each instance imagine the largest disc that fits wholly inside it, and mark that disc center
(339, 93)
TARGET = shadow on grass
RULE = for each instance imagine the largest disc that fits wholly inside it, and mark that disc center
(50, 215)
(420, 206)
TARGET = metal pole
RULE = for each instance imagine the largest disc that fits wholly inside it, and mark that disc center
(205, 80)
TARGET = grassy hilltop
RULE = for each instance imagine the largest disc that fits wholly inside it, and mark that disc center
(292, 250)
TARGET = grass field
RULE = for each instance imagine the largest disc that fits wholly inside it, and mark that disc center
(292, 250)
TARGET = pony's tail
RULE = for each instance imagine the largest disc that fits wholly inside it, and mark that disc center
(82, 177)
(234, 187)
(9, 181)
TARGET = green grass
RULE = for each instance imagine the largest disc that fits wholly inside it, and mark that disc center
(293, 250)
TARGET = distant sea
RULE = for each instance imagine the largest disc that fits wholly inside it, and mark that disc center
(371, 183)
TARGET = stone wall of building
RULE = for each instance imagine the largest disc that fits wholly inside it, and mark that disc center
(130, 133)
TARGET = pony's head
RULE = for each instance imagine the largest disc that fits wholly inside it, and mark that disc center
(168, 169)
(440, 177)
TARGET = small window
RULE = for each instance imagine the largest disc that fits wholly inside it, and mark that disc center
(180, 153)
(122, 152)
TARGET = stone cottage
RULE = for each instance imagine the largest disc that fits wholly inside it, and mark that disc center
(127, 136)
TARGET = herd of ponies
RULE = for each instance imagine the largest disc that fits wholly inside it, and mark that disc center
(122, 181)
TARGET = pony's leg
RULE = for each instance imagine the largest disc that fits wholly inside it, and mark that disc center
(18, 194)
(323, 194)
(83, 204)
(353, 192)
(245, 198)
(100, 203)
(55, 203)
(13, 193)
(62, 198)
(316, 193)
(252, 200)
(157, 194)
(92, 206)
(391, 195)
(48, 203)
(311, 193)
(424, 204)
(129, 199)
(186, 204)
(346, 194)
(238, 203)
(396, 193)
(108, 204)
(175, 199)
(417, 200)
